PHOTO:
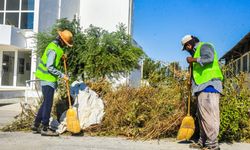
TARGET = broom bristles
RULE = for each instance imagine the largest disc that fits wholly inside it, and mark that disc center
(73, 124)
(187, 128)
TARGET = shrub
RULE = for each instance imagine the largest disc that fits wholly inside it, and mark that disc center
(234, 108)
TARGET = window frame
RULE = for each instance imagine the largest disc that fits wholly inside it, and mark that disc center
(20, 11)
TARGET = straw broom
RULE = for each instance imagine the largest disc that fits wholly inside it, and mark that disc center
(187, 126)
(73, 124)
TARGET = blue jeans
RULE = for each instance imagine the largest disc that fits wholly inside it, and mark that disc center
(43, 114)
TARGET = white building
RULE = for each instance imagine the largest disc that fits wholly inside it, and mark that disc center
(21, 19)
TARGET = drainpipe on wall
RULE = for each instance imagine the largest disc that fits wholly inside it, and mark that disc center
(130, 17)
(59, 9)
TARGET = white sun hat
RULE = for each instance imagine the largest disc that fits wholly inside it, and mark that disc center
(185, 39)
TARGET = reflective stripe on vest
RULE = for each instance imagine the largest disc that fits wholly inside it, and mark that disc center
(42, 71)
(203, 74)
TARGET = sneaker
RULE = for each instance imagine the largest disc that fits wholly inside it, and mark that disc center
(48, 132)
(196, 146)
(36, 129)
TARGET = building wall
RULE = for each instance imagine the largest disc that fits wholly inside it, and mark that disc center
(69, 12)
(5, 34)
(48, 14)
(135, 78)
(17, 38)
(106, 14)
(241, 64)
(102, 13)
(11, 36)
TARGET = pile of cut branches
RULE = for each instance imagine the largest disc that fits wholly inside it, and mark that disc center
(145, 112)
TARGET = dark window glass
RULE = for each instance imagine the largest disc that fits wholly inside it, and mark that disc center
(23, 67)
(8, 68)
(27, 4)
(1, 4)
(234, 68)
(12, 19)
(238, 66)
(12, 4)
(27, 20)
(249, 62)
(245, 63)
(1, 18)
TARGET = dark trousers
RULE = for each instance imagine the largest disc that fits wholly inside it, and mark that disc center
(43, 114)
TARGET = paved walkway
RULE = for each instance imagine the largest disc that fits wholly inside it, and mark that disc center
(29, 141)
(8, 112)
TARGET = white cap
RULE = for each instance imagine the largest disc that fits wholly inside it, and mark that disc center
(185, 39)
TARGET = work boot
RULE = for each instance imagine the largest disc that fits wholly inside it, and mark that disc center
(36, 129)
(196, 145)
(46, 131)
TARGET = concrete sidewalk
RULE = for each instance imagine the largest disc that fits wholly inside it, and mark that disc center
(8, 112)
(29, 141)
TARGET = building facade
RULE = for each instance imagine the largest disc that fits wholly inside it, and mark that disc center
(20, 20)
(239, 56)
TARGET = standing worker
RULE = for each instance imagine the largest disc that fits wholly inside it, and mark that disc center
(48, 73)
(207, 86)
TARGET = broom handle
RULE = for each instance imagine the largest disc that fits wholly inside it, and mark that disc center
(67, 81)
(189, 91)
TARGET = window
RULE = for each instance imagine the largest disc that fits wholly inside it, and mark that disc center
(248, 62)
(245, 63)
(234, 68)
(27, 4)
(20, 65)
(12, 19)
(23, 67)
(1, 18)
(1, 4)
(27, 20)
(19, 13)
(12, 4)
(8, 68)
(238, 66)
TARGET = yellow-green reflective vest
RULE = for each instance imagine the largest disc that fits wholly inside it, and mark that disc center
(203, 74)
(42, 71)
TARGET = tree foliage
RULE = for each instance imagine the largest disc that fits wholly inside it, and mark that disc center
(154, 72)
(158, 72)
(96, 53)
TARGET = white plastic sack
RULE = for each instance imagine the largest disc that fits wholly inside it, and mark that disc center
(89, 106)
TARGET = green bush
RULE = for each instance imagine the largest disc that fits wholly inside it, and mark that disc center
(96, 53)
(234, 108)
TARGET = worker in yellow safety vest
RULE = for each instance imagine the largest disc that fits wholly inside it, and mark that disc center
(48, 72)
(207, 86)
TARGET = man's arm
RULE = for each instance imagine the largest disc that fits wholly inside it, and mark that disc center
(51, 55)
(206, 55)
